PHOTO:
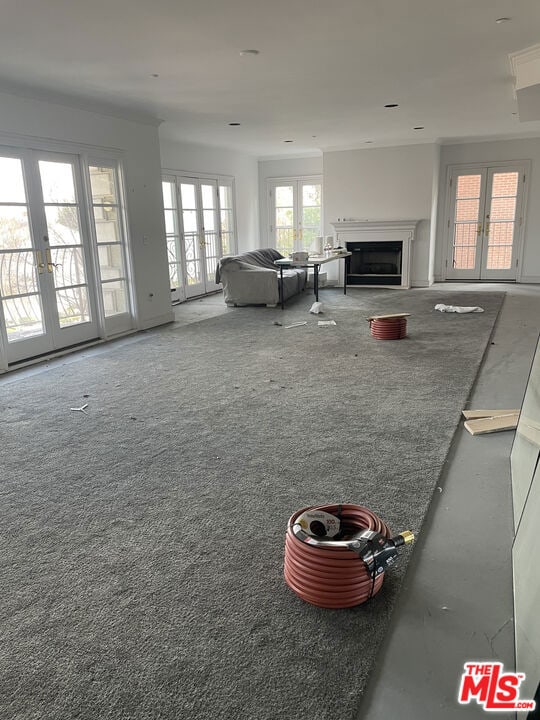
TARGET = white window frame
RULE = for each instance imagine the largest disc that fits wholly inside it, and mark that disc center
(271, 183)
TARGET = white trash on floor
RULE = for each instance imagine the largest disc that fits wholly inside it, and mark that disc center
(316, 308)
(458, 308)
(296, 324)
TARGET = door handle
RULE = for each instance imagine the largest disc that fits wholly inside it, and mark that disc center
(39, 262)
(479, 232)
(50, 264)
(487, 225)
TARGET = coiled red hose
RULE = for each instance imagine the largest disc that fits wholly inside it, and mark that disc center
(332, 578)
(388, 328)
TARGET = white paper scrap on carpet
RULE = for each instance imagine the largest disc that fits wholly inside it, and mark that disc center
(296, 324)
(324, 323)
(458, 308)
(316, 308)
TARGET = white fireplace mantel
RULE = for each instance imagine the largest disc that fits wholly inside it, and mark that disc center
(376, 226)
(380, 231)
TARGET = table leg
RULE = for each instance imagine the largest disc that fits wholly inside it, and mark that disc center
(281, 295)
(316, 281)
(345, 273)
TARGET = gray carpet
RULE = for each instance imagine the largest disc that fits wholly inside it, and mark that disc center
(142, 543)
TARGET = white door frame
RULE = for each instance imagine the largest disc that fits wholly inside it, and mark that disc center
(54, 336)
(199, 240)
(14, 144)
(208, 284)
(524, 166)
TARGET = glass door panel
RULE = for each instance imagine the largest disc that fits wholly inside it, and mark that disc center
(192, 234)
(226, 218)
(284, 218)
(21, 267)
(467, 214)
(310, 196)
(66, 256)
(500, 225)
(211, 239)
(174, 246)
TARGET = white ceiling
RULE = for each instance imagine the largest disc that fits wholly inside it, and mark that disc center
(326, 68)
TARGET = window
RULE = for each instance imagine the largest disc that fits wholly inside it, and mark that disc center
(295, 209)
(107, 216)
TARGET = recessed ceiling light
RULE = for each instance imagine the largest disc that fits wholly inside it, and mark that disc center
(368, 142)
(514, 113)
(313, 136)
(288, 141)
(234, 124)
(418, 127)
(391, 105)
(249, 52)
(154, 75)
(499, 21)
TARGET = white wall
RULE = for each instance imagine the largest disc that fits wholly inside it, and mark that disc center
(384, 184)
(484, 152)
(180, 156)
(285, 168)
(435, 220)
(140, 147)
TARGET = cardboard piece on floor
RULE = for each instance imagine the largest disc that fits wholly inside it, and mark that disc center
(474, 414)
(492, 424)
(384, 317)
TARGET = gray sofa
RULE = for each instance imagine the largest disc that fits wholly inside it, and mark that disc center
(252, 278)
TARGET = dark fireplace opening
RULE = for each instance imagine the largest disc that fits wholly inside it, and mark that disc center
(374, 263)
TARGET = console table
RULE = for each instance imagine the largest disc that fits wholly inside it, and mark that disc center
(314, 262)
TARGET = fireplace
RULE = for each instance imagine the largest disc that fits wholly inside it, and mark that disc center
(374, 263)
(381, 251)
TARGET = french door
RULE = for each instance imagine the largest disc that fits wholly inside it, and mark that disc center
(486, 210)
(199, 223)
(295, 209)
(199, 228)
(46, 283)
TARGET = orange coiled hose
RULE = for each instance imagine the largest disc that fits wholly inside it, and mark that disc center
(388, 328)
(332, 578)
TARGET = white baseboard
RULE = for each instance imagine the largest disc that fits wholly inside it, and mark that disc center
(524, 280)
(155, 321)
(420, 283)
